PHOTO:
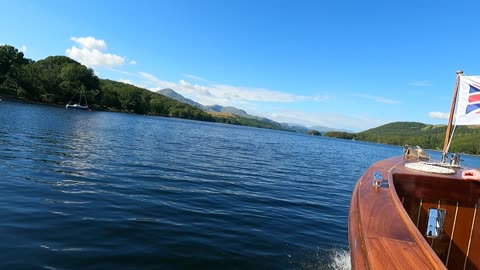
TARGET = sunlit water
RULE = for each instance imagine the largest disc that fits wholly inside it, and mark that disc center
(98, 190)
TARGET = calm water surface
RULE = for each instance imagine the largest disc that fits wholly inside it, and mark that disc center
(105, 190)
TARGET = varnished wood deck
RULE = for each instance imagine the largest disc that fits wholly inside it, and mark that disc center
(383, 235)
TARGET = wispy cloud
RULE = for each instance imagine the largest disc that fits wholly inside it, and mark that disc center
(132, 62)
(127, 81)
(377, 99)
(153, 83)
(439, 115)
(197, 78)
(132, 74)
(23, 48)
(424, 83)
(209, 93)
(90, 53)
(254, 94)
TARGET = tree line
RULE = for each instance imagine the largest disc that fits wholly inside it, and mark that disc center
(466, 139)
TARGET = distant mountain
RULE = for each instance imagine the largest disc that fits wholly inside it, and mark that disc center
(211, 108)
(174, 95)
(228, 109)
(323, 129)
(239, 112)
(252, 120)
(304, 129)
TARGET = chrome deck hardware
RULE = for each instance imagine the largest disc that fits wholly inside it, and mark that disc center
(455, 159)
(436, 219)
(378, 180)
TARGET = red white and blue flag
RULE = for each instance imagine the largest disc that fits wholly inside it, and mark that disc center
(468, 103)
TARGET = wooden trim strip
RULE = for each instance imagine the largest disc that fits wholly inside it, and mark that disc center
(470, 238)
(450, 118)
(419, 211)
(451, 237)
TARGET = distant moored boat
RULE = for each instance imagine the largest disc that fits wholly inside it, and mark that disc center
(79, 105)
(76, 106)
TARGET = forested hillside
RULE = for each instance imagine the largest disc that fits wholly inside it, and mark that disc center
(58, 79)
(466, 139)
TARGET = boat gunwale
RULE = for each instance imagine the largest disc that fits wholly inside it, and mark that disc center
(419, 238)
(388, 168)
(353, 222)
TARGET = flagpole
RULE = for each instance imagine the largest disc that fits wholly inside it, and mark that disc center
(450, 119)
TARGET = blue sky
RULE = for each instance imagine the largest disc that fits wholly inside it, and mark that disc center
(345, 64)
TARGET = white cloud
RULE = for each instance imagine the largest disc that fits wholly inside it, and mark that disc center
(23, 48)
(90, 53)
(320, 98)
(377, 99)
(423, 83)
(132, 62)
(254, 94)
(127, 81)
(196, 78)
(90, 43)
(153, 83)
(211, 93)
(439, 115)
(126, 72)
(94, 58)
(195, 89)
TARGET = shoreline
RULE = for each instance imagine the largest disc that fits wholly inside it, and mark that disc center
(14, 99)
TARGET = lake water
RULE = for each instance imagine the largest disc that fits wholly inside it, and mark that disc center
(99, 190)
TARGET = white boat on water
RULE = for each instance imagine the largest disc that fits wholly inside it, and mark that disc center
(76, 106)
(79, 105)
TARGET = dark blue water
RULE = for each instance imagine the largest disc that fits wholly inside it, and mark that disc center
(98, 190)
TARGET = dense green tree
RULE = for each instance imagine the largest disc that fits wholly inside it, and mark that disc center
(339, 134)
(63, 79)
(314, 132)
(10, 58)
(109, 98)
(157, 106)
(12, 62)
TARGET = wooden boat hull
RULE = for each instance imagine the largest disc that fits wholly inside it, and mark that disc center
(387, 224)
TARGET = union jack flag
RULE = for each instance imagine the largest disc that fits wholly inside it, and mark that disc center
(468, 103)
(473, 99)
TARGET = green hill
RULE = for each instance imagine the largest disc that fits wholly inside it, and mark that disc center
(466, 139)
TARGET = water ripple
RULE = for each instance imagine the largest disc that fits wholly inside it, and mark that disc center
(114, 191)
